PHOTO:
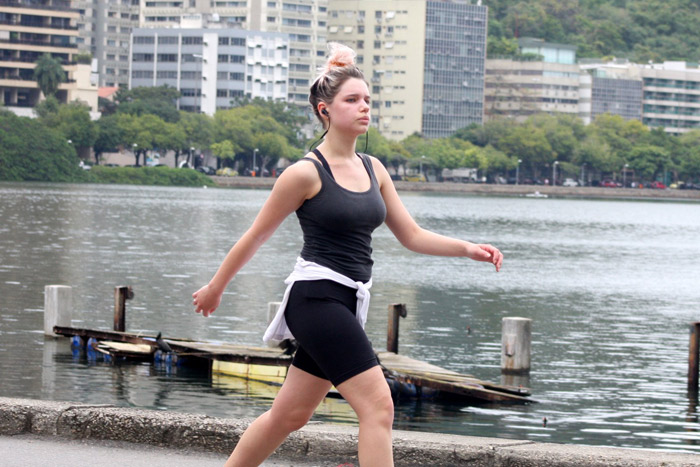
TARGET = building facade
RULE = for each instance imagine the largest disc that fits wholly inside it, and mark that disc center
(211, 67)
(105, 27)
(28, 30)
(304, 21)
(424, 61)
(670, 92)
(520, 88)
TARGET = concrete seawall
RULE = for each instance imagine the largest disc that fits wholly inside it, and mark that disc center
(499, 190)
(318, 442)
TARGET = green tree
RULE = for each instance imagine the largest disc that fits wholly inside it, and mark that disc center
(48, 74)
(30, 151)
(160, 101)
(73, 121)
(108, 136)
(223, 150)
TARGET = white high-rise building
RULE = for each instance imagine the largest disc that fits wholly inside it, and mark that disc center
(304, 21)
(211, 67)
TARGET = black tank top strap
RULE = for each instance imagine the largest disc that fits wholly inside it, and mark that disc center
(367, 162)
(324, 162)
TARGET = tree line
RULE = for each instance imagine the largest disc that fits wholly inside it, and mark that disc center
(145, 120)
(640, 30)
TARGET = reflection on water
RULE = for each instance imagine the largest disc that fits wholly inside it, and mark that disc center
(610, 286)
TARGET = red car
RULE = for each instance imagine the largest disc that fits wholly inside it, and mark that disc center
(657, 186)
(609, 184)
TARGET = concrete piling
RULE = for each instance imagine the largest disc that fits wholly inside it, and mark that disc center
(516, 334)
(58, 305)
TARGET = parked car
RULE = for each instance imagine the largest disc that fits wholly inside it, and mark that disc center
(206, 170)
(569, 182)
(609, 184)
(415, 178)
(657, 185)
(226, 172)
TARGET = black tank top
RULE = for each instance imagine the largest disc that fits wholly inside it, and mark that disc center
(338, 223)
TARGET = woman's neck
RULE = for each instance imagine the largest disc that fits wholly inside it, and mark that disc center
(337, 145)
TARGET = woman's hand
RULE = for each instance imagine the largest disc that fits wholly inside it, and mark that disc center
(206, 300)
(486, 253)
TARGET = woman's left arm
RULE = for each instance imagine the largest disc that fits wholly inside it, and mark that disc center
(420, 240)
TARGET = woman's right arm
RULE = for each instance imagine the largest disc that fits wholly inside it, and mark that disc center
(296, 184)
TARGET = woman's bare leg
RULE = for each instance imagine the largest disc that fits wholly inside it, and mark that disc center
(295, 403)
(369, 396)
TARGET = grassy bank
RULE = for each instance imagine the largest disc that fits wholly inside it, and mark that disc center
(164, 176)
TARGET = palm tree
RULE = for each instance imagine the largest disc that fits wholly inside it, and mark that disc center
(48, 74)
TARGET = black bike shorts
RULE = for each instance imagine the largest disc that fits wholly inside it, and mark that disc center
(332, 344)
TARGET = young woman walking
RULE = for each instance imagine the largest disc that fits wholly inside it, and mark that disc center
(339, 197)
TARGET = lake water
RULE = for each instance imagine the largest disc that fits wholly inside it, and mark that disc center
(611, 287)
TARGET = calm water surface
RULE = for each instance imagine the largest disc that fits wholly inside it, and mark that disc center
(610, 286)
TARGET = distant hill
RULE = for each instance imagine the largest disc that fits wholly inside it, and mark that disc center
(641, 30)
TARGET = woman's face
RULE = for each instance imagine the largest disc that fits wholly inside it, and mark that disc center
(349, 110)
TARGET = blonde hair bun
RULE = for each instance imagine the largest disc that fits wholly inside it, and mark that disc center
(339, 55)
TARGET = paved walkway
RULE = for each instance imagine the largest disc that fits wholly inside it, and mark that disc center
(67, 426)
(40, 451)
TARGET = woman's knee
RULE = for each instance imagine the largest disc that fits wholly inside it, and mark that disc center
(291, 420)
(379, 410)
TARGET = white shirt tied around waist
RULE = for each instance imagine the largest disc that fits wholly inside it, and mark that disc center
(310, 271)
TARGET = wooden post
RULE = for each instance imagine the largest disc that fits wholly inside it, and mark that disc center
(122, 293)
(515, 345)
(396, 310)
(693, 363)
(58, 304)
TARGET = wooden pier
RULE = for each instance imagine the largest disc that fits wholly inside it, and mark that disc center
(270, 365)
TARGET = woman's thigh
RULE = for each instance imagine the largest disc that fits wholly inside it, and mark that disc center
(321, 315)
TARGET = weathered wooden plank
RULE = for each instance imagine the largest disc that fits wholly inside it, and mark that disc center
(398, 367)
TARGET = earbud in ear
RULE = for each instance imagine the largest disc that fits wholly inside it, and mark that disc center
(324, 112)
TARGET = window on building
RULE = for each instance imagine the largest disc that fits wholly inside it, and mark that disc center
(191, 41)
(377, 44)
(236, 76)
(143, 58)
(172, 58)
(167, 40)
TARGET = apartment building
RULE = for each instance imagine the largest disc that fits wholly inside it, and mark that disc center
(545, 79)
(670, 91)
(104, 31)
(304, 21)
(671, 98)
(211, 67)
(29, 29)
(424, 61)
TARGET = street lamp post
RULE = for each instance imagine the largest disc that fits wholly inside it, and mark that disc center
(583, 180)
(255, 152)
(420, 170)
(624, 176)
(191, 158)
(517, 172)
(554, 173)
